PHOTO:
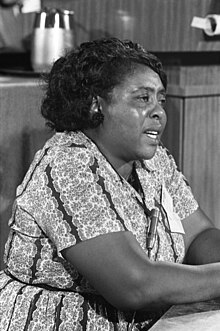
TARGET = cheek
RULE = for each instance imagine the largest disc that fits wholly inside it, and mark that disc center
(131, 124)
(127, 121)
(164, 120)
(132, 117)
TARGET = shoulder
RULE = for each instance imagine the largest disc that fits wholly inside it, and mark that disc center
(69, 148)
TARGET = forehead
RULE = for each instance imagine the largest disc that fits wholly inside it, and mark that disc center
(140, 78)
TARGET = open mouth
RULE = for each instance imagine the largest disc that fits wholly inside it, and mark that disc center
(152, 134)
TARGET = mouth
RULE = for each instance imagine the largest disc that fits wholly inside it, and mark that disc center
(152, 134)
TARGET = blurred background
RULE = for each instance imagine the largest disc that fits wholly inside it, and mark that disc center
(190, 57)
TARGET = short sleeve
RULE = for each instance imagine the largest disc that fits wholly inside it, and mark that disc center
(77, 204)
(178, 187)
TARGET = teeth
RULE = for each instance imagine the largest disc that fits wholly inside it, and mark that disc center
(152, 134)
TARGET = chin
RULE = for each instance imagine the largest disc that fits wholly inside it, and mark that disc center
(149, 153)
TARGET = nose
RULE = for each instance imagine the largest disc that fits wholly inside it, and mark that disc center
(158, 113)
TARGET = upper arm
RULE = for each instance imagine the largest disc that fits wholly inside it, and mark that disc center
(112, 263)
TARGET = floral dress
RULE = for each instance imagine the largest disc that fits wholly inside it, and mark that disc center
(71, 193)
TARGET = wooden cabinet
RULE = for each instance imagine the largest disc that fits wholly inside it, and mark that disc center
(193, 137)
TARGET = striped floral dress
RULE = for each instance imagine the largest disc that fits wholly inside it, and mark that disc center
(71, 193)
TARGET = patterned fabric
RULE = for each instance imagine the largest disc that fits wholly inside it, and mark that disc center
(71, 193)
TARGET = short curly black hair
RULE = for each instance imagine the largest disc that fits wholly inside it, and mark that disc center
(93, 69)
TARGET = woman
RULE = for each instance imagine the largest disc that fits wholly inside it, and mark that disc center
(103, 218)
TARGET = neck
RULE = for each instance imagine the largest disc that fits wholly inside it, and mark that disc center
(125, 170)
(123, 167)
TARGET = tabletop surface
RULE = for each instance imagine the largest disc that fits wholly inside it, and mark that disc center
(200, 316)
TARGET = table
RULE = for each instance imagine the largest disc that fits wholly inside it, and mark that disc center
(22, 133)
(199, 316)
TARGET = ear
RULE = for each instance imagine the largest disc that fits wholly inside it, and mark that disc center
(94, 106)
(96, 116)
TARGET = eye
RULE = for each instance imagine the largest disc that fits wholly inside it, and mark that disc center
(144, 98)
(162, 100)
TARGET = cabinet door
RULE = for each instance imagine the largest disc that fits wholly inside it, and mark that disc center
(201, 152)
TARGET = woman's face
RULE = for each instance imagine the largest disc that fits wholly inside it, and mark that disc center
(134, 119)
